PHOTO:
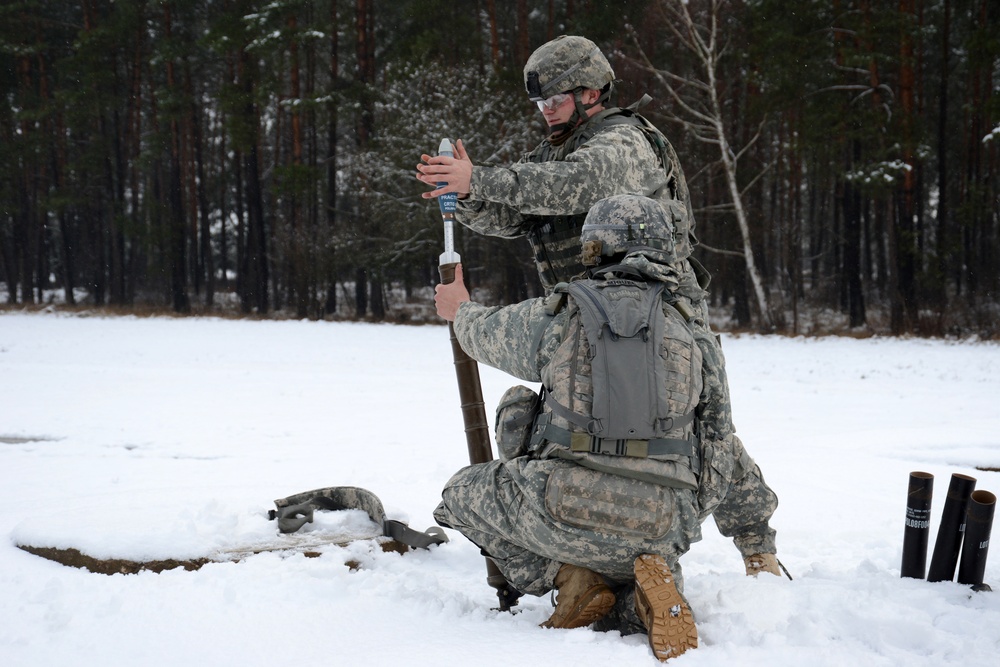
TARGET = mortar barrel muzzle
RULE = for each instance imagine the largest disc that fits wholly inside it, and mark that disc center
(976, 545)
(952, 528)
(918, 522)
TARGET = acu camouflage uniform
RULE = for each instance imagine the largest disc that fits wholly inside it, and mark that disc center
(535, 512)
(593, 506)
(546, 196)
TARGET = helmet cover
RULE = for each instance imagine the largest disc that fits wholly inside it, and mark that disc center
(566, 63)
(618, 224)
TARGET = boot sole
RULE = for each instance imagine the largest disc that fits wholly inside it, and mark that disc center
(669, 621)
(593, 605)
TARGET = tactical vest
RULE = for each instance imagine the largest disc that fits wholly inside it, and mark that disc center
(555, 240)
(621, 389)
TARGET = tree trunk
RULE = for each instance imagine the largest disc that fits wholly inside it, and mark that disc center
(206, 264)
(366, 78)
(491, 12)
(944, 203)
(298, 264)
(366, 70)
(523, 44)
(360, 292)
(852, 250)
(175, 197)
(906, 234)
(330, 256)
(728, 160)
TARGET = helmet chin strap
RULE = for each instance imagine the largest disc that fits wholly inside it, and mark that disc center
(579, 112)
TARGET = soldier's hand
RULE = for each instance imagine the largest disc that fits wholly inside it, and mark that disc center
(448, 297)
(455, 172)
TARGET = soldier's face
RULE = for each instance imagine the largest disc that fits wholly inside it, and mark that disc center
(557, 114)
(560, 112)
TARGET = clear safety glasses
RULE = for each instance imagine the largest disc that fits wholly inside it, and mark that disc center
(553, 102)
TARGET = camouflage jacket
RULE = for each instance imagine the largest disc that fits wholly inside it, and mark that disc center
(546, 195)
(519, 339)
(529, 342)
(616, 160)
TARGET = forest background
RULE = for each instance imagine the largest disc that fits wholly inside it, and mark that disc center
(243, 156)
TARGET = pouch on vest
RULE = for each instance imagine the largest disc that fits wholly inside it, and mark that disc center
(515, 418)
(609, 503)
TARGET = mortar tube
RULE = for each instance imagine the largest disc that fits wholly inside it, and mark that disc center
(978, 525)
(915, 534)
(477, 434)
(952, 528)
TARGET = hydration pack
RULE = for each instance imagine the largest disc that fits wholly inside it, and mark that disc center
(621, 390)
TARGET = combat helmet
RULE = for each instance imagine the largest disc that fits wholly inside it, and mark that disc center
(621, 224)
(566, 63)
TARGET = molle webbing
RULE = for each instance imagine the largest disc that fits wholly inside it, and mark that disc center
(555, 243)
(588, 424)
(624, 323)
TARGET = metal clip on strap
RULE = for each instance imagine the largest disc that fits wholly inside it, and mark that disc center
(293, 517)
(400, 532)
(582, 442)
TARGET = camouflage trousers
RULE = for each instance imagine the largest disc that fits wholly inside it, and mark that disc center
(532, 516)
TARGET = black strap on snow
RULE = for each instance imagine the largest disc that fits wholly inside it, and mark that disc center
(295, 511)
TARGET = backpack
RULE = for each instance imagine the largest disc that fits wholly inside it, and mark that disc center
(620, 392)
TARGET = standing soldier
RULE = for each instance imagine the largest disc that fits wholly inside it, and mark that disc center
(593, 152)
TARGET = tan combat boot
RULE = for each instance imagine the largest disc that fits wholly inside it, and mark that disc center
(758, 563)
(664, 612)
(583, 598)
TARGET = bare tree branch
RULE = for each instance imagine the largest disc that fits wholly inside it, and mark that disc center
(721, 251)
(671, 91)
(702, 116)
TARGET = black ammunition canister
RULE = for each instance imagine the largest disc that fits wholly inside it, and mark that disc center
(978, 524)
(952, 528)
(918, 521)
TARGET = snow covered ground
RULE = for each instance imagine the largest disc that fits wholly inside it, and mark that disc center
(145, 438)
